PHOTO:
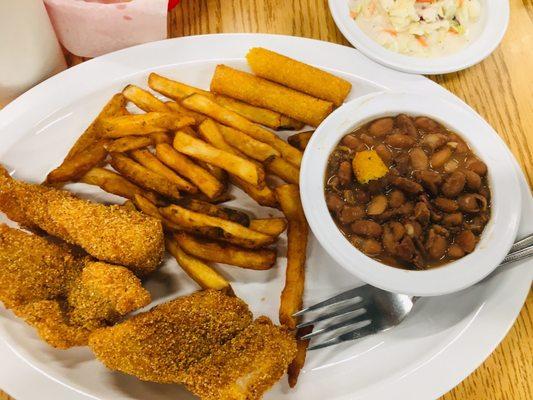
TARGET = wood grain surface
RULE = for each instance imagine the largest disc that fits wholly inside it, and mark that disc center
(500, 89)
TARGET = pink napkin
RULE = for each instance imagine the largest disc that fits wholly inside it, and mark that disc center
(90, 28)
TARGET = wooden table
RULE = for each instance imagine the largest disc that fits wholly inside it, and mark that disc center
(500, 89)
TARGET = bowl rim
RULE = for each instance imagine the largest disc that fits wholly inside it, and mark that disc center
(495, 23)
(451, 277)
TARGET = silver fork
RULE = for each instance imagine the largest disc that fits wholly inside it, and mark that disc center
(370, 310)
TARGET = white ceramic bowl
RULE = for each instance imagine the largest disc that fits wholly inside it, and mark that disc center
(497, 237)
(494, 20)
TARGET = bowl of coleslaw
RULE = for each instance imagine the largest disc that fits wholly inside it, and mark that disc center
(423, 36)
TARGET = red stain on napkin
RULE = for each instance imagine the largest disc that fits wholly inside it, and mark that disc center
(172, 4)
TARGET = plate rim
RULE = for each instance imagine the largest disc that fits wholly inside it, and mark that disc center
(451, 381)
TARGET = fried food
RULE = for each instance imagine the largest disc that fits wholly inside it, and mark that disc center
(283, 169)
(264, 196)
(270, 226)
(246, 366)
(227, 117)
(263, 93)
(143, 99)
(208, 250)
(248, 145)
(142, 124)
(129, 143)
(109, 233)
(143, 176)
(198, 271)
(297, 364)
(215, 228)
(300, 140)
(63, 294)
(173, 89)
(298, 75)
(88, 151)
(114, 183)
(206, 182)
(214, 210)
(162, 344)
(367, 166)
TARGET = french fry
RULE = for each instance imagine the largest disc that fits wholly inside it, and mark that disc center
(217, 172)
(128, 204)
(215, 228)
(248, 145)
(291, 297)
(200, 272)
(161, 137)
(178, 108)
(235, 165)
(269, 226)
(285, 170)
(148, 160)
(142, 124)
(262, 93)
(298, 75)
(209, 130)
(129, 143)
(146, 101)
(264, 196)
(227, 117)
(114, 183)
(297, 364)
(215, 211)
(207, 183)
(173, 89)
(208, 250)
(146, 206)
(115, 106)
(222, 198)
(300, 140)
(76, 166)
(143, 177)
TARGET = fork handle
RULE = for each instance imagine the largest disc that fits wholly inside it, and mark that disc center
(521, 244)
(517, 255)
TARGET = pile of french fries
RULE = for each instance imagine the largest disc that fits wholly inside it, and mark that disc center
(177, 160)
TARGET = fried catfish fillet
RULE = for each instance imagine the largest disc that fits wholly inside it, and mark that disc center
(108, 233)
(162, 344)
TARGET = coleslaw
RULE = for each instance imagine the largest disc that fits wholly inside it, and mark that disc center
(422, 28)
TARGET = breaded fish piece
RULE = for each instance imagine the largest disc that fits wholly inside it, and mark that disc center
(161, 344)
(245, 367)
(108, 233)
(62, 294)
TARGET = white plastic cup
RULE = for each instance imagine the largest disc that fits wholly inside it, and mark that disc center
(29, 50)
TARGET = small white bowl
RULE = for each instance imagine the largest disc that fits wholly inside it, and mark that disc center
(495, 18)
(498, 235)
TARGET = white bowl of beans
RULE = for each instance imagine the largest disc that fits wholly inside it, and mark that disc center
(411, 193)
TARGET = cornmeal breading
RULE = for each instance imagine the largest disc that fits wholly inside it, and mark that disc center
(161, 344)
(108, 233)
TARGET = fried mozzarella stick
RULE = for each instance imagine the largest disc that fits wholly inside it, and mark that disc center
(263, 93)
(298, 75)
(64, 295)
(162, 344)
(108, 233)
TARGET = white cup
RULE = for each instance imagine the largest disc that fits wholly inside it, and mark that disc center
(29, 50)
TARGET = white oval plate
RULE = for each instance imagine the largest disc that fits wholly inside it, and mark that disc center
(445, 339)
(494, 17)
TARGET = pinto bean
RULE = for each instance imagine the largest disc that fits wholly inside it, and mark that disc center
(384, 153)
(433, 141)
(413, 229)
(439, 158)
(419, 158)
(453, 219)
(406, 249)
(402, 163)
(473, 180)
(426, 124)
(334, 202)
(454, 184)
(430, 180)
(377, 205)
(349, 214)
(398, 230)
(345, 173)
(406, 208)
(436, 246)
(370, 247)
(445, 204)
(407, 185)
(350, 141)
(366, 139)
(396, 198)
(472, 203)
(477, 166)
(455, 251)
(381, 127)
(366, 228)
(451, 166)
(400, 141)
(361, 196)
(466, 240)
(422, 213)
(406, 124)
(477, 224)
